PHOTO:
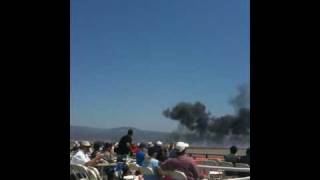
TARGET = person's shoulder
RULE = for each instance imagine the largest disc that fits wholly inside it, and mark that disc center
(170, 160)
(140, 154)
(125, 137)
(79, 153)
(188, 159)
(128, 137)
(154, 160)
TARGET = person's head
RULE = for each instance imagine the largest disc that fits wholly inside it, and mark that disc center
(116, 145)
(152, 152)
(130, 132)
(85, 146)
(75, 146)
(107, 147)
(150, 144)
(142, 146)
(159, 143)
(233, 150)
(181, 148)
(171, 146)
(96, 146)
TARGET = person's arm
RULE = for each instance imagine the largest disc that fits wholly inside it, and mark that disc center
(94, 161)
(165, 165)
(129, 143)
(195, 171)
(159, 171)
(108, 157)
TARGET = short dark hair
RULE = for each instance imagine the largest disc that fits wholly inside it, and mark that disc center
(107, 145)
(233, 149)
(248, 152)
(181, 153)
(130, 132)
(142, 145)
(151, 151)
(96, 145)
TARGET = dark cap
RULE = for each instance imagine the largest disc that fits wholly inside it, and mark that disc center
(142, 145)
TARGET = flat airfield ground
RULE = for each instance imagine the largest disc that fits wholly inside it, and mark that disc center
(214, 151)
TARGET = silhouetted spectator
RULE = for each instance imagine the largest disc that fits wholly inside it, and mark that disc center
(232, 157)
(125, 145)
(246, 158)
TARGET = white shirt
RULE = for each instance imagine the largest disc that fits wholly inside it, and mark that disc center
(80, 158)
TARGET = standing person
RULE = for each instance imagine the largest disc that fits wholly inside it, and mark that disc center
(232, 157)
(124, 149)
(246, 158)
(125, 144)
(182, 162)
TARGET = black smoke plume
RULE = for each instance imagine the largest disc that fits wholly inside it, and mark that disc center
(192, 116)
(195, 118)
(242, 99)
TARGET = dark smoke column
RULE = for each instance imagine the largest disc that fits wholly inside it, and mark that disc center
(192, 116)
(242, 99)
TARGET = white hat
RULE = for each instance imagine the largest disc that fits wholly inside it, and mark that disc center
(180, 146)
(85, 143)
(159, 143)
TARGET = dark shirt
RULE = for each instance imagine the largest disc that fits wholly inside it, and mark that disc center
(94, 153)
(231, 158)
(245, 159)
(161, 154)
(184, 164)
(123, 148)
(173, 153)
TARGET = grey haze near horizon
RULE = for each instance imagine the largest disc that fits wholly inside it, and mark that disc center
(131, 60)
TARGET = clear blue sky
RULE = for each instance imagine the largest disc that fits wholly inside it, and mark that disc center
(131, 59)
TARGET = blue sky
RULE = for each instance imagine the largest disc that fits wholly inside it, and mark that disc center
(131, 59)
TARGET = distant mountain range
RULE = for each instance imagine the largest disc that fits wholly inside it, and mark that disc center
(114, 134)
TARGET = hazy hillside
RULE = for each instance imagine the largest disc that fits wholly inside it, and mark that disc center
(114, 134)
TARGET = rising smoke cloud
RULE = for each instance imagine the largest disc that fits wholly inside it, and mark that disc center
(204, 127)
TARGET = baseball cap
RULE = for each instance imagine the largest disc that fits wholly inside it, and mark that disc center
(180, 146)
(150, 144)
(159, 143)
(142, 145)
